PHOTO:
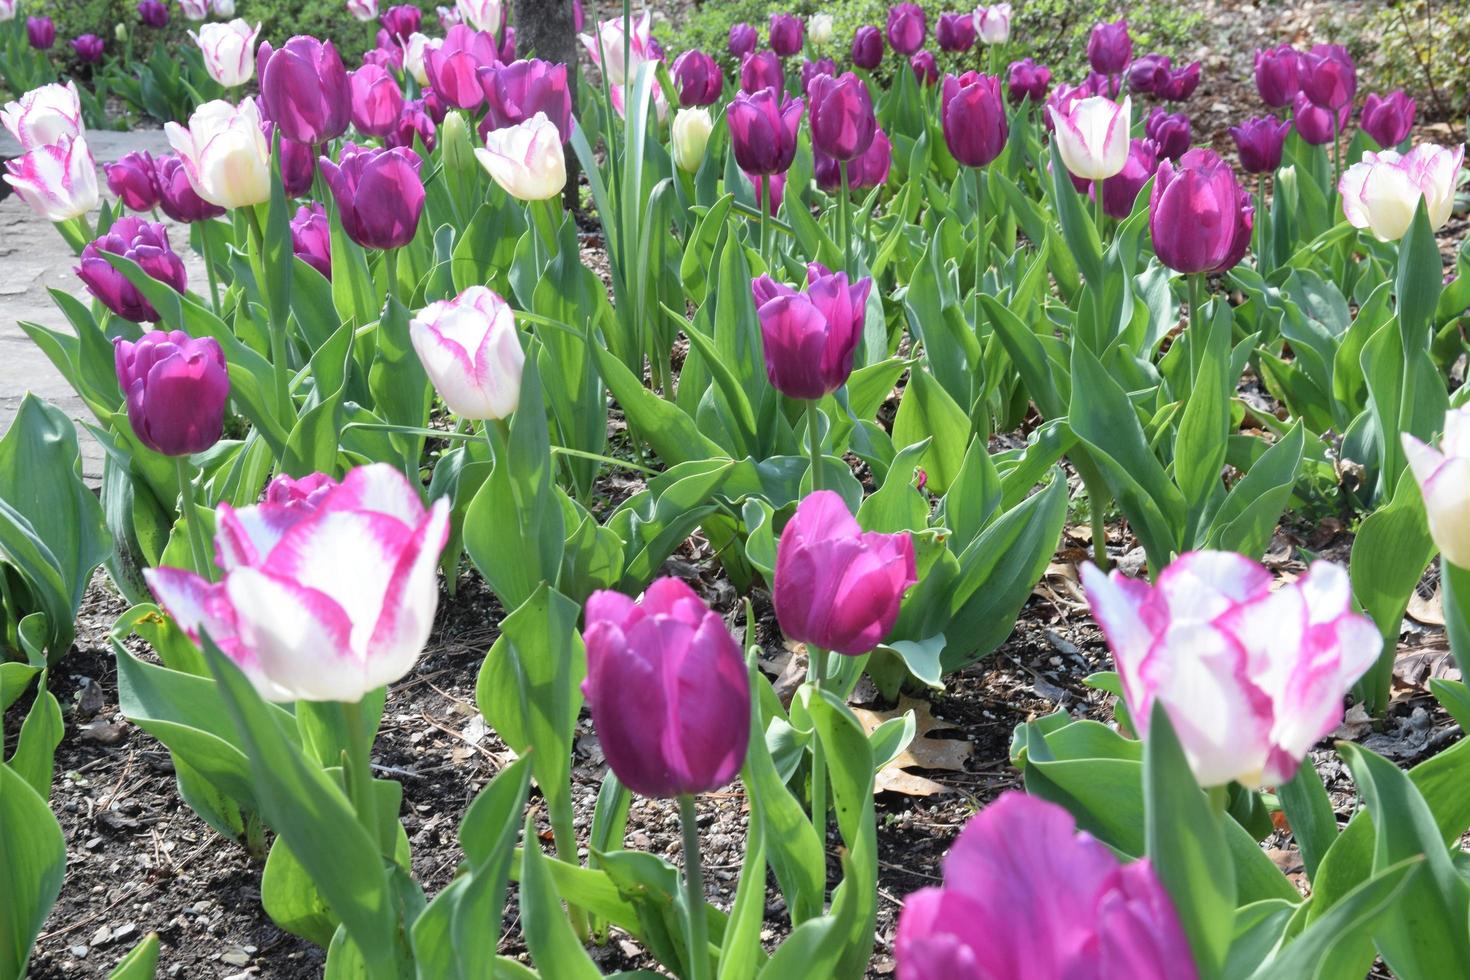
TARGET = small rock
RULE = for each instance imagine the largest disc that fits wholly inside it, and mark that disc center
(124, 931)
(102, 935)
(236, 957)
(80, 952)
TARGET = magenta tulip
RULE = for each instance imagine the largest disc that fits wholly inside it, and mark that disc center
(907, 26)
(778, 190)
(698, 78)
(88, 48)
(379, 194)
(176, 388)
(1028, 80)
(667, 690)
(762, 70)
(1316, 124)
(955, 32)
(811, 69)
(40, 32)
(1109, 48)
(1120, 191)
(763, 130)
(1170, 132)
(304, 89)
(377, 100)
(389, 58)
(1328, 76)
(508, 44)
(867, 47)
(454, 66)
(1389, 118)
(743, 40)
(1197, 213)
(925, 68)
(869, 170)
(1278, 75)
(298, 165)
(1149, 74)
(144, 242)
(1181, 83)
(153, 13)
(515, 92)
(786, 34)
(974, 118)
(841, 113)
(415, 123)
(177, 197)
(134, 179)
(1259, 142)
(311, 238)
(403, 21)
(810, 336)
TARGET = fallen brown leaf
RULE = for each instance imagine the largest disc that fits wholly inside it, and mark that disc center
(1428, 611)
(923, 752)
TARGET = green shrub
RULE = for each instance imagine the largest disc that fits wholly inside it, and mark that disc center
(1422, 46)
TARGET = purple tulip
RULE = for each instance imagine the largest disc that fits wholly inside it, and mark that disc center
(786, 34)
(298, 166)
(1278, 75)
(403, 21)
(146, 243)
(869, 170)
(379, 194)
(698, 78)
(153, 13)
(517, 91)
(811, 69)
(836, 587)
(743, 40)
(667, 690)
(925, 68)
(1170, 132)
(841, 114)
(377, 100)
(41, 32)
(388, 55)
(1120, 191)
(1026, 894)
(763, 130)
(311, 237)
(761, 70)
(579, 16)
(1060, 103)
(508, 44)
(1314, 123)
(1197, 213)
(810, 336)
(1259, 142)
(1149, 74)
(907, 26)
(305, 90)
(1181, 83)
(955, 32)
(974, 118)
(454, 66)
(1328, 76)
(778, 190)
(176, 387)
(176, 196)
(414, 123)
(88, 48)
(1028, 80)
(867, 47)
(1109, 48)
(1389, 118)
(434, 106)
(134, 179)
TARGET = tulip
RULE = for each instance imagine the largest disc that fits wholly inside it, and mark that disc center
(1328, 76)
(482, 15)
(304, 90)
(40, 32)
(311, 238)
(690, 136)
(176, 195)
(153, 13)
(324, 598)
(453, 67)
(869, 170)
(143, 242)
(1120, 191)
(1441, 474)
(471, 352)
(836, 587)
(1259, 142)
(841, 113)
(363, 10)
(415, 123)
(1109, 48)
(1028, 80)
(516, 92)
(1181, 83)
(907, 26)
(1149, 75)
(225, 153)
(403, 21)
(1382, 193)
(811, 69)
(229, 51)
(1170, 132)
(1060, 102)
(993, 23)
(698, 78)
(785, 34)
(1195, 213)
(195, 9)
(763, 131)
(48, 114)
(1315, 124)
(223, 9)
(448, 17)
(176, 388)
(1092, 136)
(1026, 894)
(1388, 119)
(415, 57)
(867, 47)
(974, 118)
(761, 70)
(298, 165)
(134, 179)
(1098, 84)
(743, 40)
(526, 160)
(925, 68)
(1250, 678)
(377, 100)
(1278, 75)
(820, 29)
(379, 194)
(810, 336)
(58, 180)
(8, 10)
(88, 48)
(609, 44)
(667, 690)
(956, 32)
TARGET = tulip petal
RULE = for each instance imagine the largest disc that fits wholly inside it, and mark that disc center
(301, 637)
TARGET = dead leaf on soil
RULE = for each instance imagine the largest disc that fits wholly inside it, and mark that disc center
(1428, 611)
(1414, 669)
(1354, 723)
(923, 752)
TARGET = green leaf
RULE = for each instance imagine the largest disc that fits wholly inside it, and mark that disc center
(928, 412)
(32, 862)
(554, 947)
(1419, 280)
(35, 747)
(140, 963)
(1310, 812)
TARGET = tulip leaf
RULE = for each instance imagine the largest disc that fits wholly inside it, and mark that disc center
(1419, 280)
(1309, 811)
(741, 956)
(140, 963)
(1247, 517)
(554, 947)
(1204, 428)
(32, 863)
(35, 746)
(928, 411)
(401, 391)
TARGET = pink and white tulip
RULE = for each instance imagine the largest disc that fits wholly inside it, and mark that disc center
(1382, 192)
(1444, 480)
(482, 15)
(225, 154)
(229, 51)
(195, 9)
(1250, 678)
(416, 56)
(363, 10)
(526, 160)
(472, 353)
(8, 9)
(58, 180)
(993, 24)
(329, 590)
(641, 48)
(44, 115)
(1092, 136)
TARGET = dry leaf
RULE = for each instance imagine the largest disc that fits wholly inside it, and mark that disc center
(1354, 723)
(923, 752)
(1428, 611)
(1415, 669)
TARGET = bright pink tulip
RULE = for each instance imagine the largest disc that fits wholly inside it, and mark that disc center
(810, 336)
(454, 66)
(1149, 74)
(517, 91)
(955, 32)
(403, 21)
(698, 78)
(304, 89)
(1314, 123)
(1170, 132)
(1120, 191)
(377, 100)
(146, 243)
(1198, 213)
(925, 68)
(1181, 83)
(176, 195)
(1028, 80)
(1259, 142)
(176, 388)
(134, 179)
(311, 238)
(743, 39)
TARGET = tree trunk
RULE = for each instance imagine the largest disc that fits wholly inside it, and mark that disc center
(545, 29)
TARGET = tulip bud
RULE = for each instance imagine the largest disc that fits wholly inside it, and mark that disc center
(1092, 136)
(1149, 75)
(58, 180)
(526, 160)
(8, 10)
(153, 13)
(974, 118)
(1259, 143)
(229, 51)
(925, 68)
(667, 690)
(869, 170)
(223, 9)
(1170, 132)
(120, 33)
(743, 40)
(1314, 123)
(1277, 75)
(1109, 48)
(1441, 473)
(176, 389)
(819, 28)
(956, 32)
(379, 194)
(1388, 119)
(1181, 83)
(363, 10)
(809, 337)
(471, 352)
(377, 100)
(1328, 76)
(993, 23)
(516, 92)
(867, 47)
(762, 70)
(143, 242)
(698, 78)
(304, 89)
(1382, 193)
(836, 587)
(763, 131)
(40, 32)
(690, 136)
(134, 179)
(841, 112)
(1197, 214)
(403, 21)
(414, 124)
(482, 15)
(1028, 80)
(48, 114)
(88, 48)
(311, 238)
(907, 26)
(785, 35)
(194, 9)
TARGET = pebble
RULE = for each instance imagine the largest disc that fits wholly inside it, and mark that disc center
(80, 952)
(236, 957)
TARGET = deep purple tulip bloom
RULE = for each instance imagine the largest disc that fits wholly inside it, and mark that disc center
(388, 55)
(517, 91)
(579, 16)
(1096, 83)
(667, 690)
(1259, 142)
(305, 90)
(508, 44)
(867, 47)
(1181, 83)
(974, 118)
(1026, 894)
(1120, 191)
(955, 32)
(298, 166)
(1314, 123)
(379, 194)
(176, 196)
(743, 40)
(454, 66)
(698, 78)
(925, 68)
(414, 123)
(1195, 213)
(838, 588)
(762, 70)
(810, 336)
(763, 130)
(377, 100)
(841, 114)
(311, 237)
(176, 387)
(786, 34)
(146, 243)
(869, 170)
(1389, 118)
(907, 26)
(811, 69)
(1028, 80)
(1170, 132)
(1328, 76)
(153, 13)
(1109, 48)
(40, 32)
(434, 106)
(1061, 100)
(1278, 75)
(88, 48)
(402, 21)
(134, 179)
(1149, 74)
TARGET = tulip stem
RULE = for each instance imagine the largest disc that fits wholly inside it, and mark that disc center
(357, 764)
(816, 670)
(979, 240)
(188, 506)
(766, 220)
(844, 214)
(282, 369)
(697, 928)
(390, 272)
(1099, 216)
(206, 236)
(1336, 168)
(1196, 332)
(1260, 225)
(814, 443)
